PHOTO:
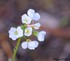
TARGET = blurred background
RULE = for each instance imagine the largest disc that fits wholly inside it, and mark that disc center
(55, 20)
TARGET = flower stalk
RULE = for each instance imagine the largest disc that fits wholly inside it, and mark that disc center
(15, 50)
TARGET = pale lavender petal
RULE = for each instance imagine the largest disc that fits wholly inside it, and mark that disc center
(24, 45)
(36, 16)
(12, 36)
(20, 31)
(36, 43)
(12, 30)
(30, 12)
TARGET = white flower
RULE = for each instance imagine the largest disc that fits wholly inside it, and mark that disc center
(28, 31)
(26, 19)
(35, 16)
(15, 33)
(41, 35)
(30, 45)
(37, 25)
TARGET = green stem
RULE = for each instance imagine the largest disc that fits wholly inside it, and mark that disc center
(24, 37)
(15, 50)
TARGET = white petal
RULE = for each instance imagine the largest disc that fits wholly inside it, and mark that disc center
(31, 48)
(31, 45)
(12, 36)
(24, 16)
(36, 43)
(20, 31)
(36, 16)
(40, 38)
(24, 45)
(12, 29)
(26, 19)
(41, 35)
(29, 29)
(30, 12)
(37, 25)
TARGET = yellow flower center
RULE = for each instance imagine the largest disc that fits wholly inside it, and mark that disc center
(27, 31)
(26, 20)
(16, 32)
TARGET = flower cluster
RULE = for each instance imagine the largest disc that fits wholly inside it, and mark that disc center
(28, 28)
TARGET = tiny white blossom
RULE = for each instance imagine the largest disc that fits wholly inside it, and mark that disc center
(15, 33)
(26, 19)
(35, 16)
(37, 25)
(28, 31)
(30, 45)
(41, 35)
(24, 45)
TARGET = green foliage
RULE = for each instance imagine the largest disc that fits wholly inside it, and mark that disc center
(23, 27)
(35, 33)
